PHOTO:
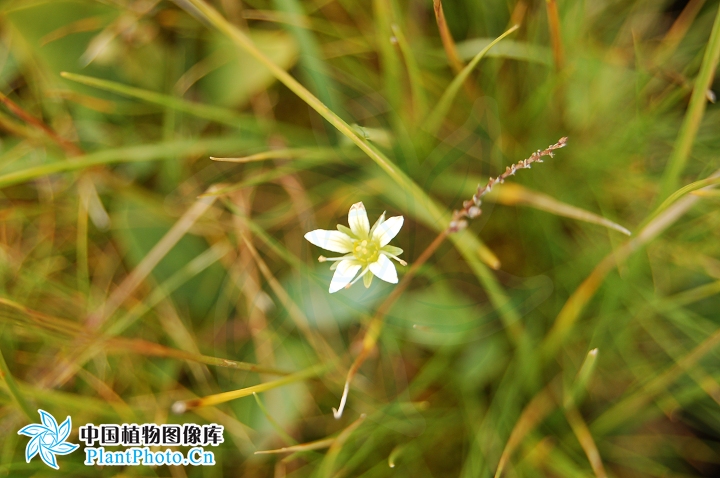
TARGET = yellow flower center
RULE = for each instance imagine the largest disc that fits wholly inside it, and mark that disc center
(366, 251)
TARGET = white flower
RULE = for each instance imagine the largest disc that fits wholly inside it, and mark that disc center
(366, 249)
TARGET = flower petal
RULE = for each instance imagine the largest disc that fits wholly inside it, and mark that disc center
(346, 230)
(384, 269)
(334, 241)
(344, 273)
(388, 229)
(380, 220)
(392, 250)
(358, 220)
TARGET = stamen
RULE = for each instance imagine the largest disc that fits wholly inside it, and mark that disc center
(402, 262)
(326, 259)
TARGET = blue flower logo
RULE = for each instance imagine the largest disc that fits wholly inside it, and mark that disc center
(48, 439)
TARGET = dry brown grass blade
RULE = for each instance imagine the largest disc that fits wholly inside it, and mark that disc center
(514, 194)
(535, 412)
(17, 129)
(313, 445)
(160, 250)
(65, 368)
(48, 322)
(555, 37)
(88, 24)
(456, 64)
(144, 347)
(247, 277)
(580, 428)
(678, 30)
(321, 347)
(72, 330)
(447, 39)
(68, 146)
(106, 392)
(285, 153)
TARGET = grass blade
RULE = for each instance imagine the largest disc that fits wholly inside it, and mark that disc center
(693, 117)
(314, 371)
(535, 412)
(582, 295)
(327, 465)
(438, 114)
(146, 152)
(413, 70)
(447, 39)
(514, 194)
(209, 112)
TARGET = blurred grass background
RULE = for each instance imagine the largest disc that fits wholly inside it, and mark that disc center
(135, 271)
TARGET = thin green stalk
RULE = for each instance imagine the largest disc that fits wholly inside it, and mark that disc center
(312, 66)
(287, 154)
(695, 112)
(389, 64)
(146, 152)
(438, 114)
(711, 181)
(287, 438)
(314, 371)
(572, 396)
(144, 347)
(413, 70)
(328, 464)
(14, 389)
(579, 299)
(201, 110)
(81, 248)
(619, 413)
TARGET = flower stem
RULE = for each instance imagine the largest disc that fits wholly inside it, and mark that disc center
(376, 323)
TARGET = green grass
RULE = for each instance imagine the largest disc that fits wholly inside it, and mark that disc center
(142, 281)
